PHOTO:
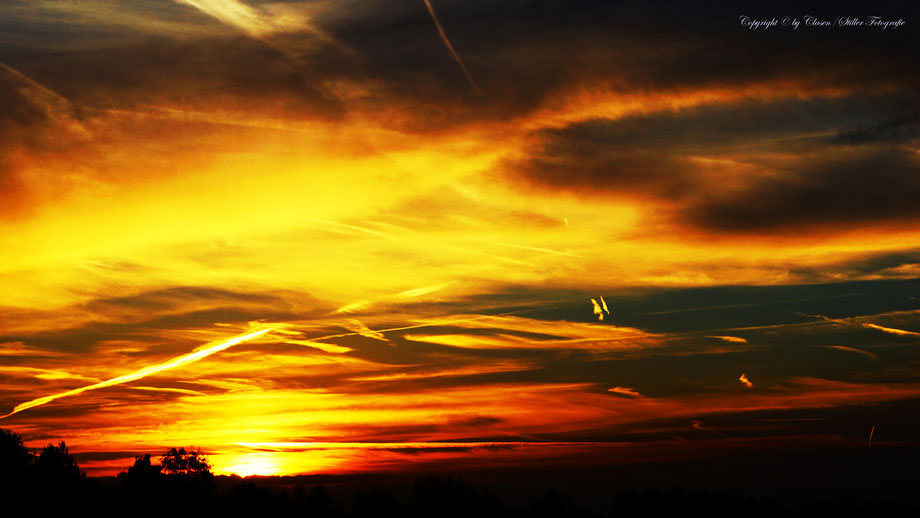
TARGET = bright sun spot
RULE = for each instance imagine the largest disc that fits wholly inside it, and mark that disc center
(246, 464)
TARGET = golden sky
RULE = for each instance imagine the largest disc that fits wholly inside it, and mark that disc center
(404, 211)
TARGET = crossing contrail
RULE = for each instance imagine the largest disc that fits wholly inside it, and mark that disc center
(143, 373)
(450, 47)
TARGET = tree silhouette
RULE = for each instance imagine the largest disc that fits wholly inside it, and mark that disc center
(189, 463)
(15, 459)
(186, 480)
(56, 464)
(143, 468)
(142, 476)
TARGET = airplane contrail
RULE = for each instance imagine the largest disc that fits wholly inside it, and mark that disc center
(450, 47)
(890, 330)
(54, 105)
(34, 84)
(143, 373)
(853, 350)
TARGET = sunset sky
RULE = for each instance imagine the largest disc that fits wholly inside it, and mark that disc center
(347, 236)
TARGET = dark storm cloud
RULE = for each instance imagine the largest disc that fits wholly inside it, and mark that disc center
(654, 154)
(33, 120)
(231, 69)
(24, 117)
(878, 263)
(665, 45)
(880, 186)
(717, 163)
(518, 52)
(15, 108)
(886, 264)
(902, 127)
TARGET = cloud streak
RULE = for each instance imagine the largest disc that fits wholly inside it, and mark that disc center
(625, 391)
(252, 21)
(745, 381)
(891, 330)
(143, 373)
(867, 354)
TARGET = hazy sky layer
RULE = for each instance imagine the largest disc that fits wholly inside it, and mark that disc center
(422, 207)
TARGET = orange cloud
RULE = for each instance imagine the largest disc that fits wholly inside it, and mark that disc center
(731, 339)
(626, 391)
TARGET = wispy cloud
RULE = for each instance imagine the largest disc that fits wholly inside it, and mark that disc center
(53, 105)
(745, 381)
(354, 306)
(143, 373)
(871, 356)
(473, 370)
(186, 392)
(255, 21)
(853, 321)
(418, 292)
(891, 330)
(415, 292)
(731, 339)
(626, 391)
(45, 374)
(362, 329)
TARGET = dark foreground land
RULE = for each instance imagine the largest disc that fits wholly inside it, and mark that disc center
(835, 482)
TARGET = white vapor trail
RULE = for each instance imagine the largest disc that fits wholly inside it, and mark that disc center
(143, 373)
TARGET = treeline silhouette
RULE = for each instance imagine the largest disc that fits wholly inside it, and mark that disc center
(180, 483)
